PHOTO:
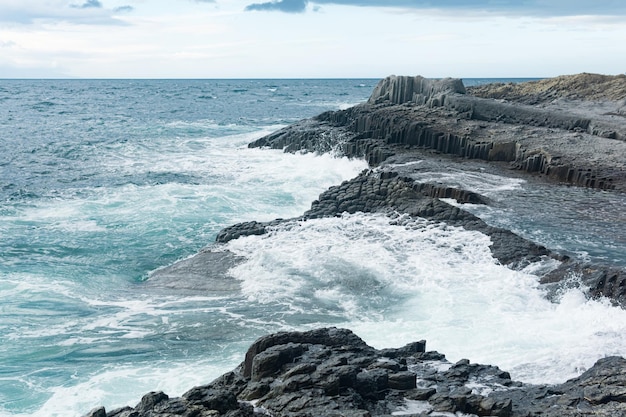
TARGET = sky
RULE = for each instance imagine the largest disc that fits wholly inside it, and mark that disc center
(310, 39)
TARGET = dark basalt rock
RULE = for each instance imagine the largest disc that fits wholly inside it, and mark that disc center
(413, 112)
(332, 372)
(403, 89)
(371, 193)
(601, 281)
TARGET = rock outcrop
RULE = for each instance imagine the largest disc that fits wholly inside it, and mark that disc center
(419, 90)
(374, 193)
(332, 372)
(585, 86)
(407, 113)
(415, 118)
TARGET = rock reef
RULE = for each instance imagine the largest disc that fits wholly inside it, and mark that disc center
(331, 372)
(371, 193)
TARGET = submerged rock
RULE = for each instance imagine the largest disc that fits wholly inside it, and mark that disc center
(332, 372)
(207, 271)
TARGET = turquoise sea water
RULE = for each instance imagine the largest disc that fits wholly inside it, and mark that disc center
(103, 182)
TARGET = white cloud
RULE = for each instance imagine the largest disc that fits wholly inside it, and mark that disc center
(501, 7)
(26, 12)
(7, 44)
(163, 39)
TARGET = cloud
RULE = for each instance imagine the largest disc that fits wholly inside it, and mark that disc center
(89, 12)
(11, 71)
(88, 5)
(287, 6)
(510, 7)
(124, 9)
(7, 44)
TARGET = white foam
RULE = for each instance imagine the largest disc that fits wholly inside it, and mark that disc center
(120, 386)
(235, 184)
(412, 407)
(394, 284)
(334, 105)
(404, 164)
(483, 183)
(346, 105)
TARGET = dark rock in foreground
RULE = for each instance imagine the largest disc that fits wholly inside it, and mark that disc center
(332, 372)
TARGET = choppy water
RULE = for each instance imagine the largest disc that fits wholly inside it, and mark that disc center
(103, 182)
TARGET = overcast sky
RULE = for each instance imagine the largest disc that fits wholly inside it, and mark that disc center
(310, 39)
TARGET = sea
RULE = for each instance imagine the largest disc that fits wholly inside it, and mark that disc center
(104, 182)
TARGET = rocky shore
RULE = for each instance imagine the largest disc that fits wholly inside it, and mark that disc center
(331, 372)
(563, 138)
(568, 130)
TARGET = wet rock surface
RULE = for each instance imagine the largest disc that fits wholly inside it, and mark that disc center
(371, 193)
(332, 372)
(206, 271)
(374, 192)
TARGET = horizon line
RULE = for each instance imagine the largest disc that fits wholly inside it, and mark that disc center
(256, 78)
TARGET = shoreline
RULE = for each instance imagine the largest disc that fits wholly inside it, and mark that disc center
(281, 376)
(411, 118)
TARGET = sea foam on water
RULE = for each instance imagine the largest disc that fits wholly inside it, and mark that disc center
(95, 197)
(394, 282)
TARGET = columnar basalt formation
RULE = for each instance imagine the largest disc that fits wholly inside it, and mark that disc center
(405, 113)
(419, 90)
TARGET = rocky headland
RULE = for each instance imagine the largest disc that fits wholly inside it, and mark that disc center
(566, 130)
